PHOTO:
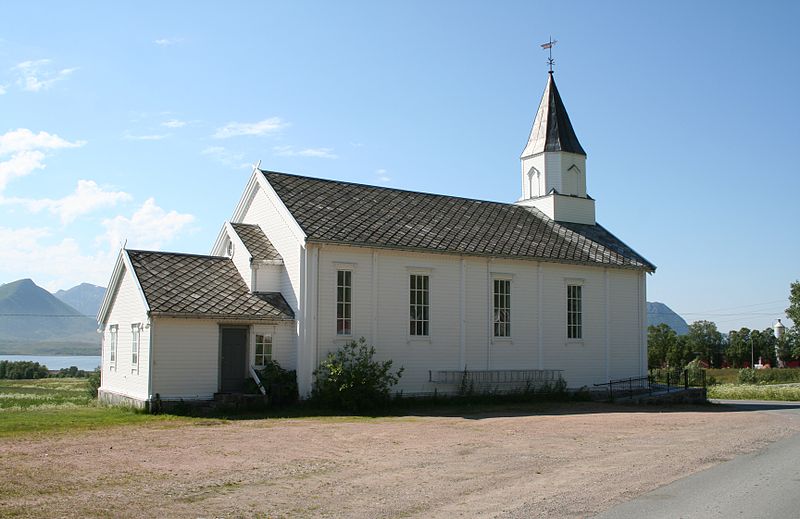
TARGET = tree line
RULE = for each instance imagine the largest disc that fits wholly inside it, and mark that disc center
(25, 369)
(705, 342)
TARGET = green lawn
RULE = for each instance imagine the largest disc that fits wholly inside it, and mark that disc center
(60, 405)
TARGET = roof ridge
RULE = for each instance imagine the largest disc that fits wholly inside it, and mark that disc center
(168, 253)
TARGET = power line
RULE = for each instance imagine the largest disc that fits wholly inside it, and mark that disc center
(44, 315)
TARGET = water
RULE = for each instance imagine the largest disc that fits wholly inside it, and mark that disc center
(84, 362)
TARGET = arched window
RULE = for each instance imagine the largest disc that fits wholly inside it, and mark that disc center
(535, 183)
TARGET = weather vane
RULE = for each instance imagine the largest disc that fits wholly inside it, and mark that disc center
(549, 47)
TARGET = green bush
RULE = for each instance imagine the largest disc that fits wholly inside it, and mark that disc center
(93, 383)
(280, 384)
(769, 376)
(351, 379)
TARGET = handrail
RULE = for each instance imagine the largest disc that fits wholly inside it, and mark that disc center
(257, 379)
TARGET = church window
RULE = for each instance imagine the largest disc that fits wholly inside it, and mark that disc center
(263, 349)
(344, 302)
(574, 312)
(135, 340)
(419, 298)
(502, 307)
(112, 338)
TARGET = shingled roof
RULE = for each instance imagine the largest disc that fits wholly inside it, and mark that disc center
(355, 214)
(190, 285)
(258, 245)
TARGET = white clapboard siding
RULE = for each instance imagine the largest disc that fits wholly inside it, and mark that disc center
(127, 308)
(284, 343)
(381, 314)
(185, 358)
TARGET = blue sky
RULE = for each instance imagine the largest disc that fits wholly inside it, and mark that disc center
(141, 121)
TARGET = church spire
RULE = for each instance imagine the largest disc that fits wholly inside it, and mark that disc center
(552, 129)
(554, 164)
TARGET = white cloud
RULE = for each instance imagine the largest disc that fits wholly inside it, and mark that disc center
(3, 89)
(291, 151)
(383, 175)
(174, 123)
(23, 253)
(22, 152)
(166, 42)
(234, 129)
(37, 75)
(87, 197)
(226, 157)
(149, 227)
(150, 137)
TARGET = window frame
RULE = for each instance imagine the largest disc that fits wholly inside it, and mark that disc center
(499, 325)
(419, 298)
(113, 339)
(346, 317)
(136, 343)
(574, 315)
(263, 353)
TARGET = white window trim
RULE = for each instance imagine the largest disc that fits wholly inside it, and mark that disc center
(135, 365)
(113, 346)
(500, 276)
(350, 267)
(265, 334)
(419, 271)
(567, 283)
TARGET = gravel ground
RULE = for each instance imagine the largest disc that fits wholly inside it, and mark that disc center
(555, 461)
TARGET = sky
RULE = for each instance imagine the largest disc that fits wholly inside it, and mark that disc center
(141, 122)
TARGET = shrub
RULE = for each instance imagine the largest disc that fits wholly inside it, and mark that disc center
(93, 383)
(351, 379)
(280, 384)
(747, 376)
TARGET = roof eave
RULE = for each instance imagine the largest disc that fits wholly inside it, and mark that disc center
(316, 241)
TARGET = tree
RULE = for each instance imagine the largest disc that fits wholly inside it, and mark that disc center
(680, 353)
(704, 340)
(659, 341)
(738, 350)
(764, 346)
(793, 312)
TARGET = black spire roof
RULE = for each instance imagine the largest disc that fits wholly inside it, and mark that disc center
(552, 130)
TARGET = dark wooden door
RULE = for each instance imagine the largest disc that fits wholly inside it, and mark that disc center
(233, 359)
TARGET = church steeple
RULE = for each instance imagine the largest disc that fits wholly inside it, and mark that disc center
(552, 129)
(554, 164)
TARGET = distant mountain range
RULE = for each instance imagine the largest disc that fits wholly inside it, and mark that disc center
(34, 321)
(658, 313)
(86, 298)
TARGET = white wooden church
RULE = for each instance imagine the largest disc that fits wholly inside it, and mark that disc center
(437, 283)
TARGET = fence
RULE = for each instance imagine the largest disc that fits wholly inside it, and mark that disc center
(657, 381)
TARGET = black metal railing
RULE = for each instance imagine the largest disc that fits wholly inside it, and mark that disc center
(657, 381)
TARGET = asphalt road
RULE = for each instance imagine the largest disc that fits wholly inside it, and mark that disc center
(764, 484)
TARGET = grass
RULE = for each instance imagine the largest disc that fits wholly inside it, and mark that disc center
(60, 405)
(724, 375)
(754, 392)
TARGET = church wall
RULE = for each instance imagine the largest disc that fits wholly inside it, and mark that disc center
(269, 278)
(538, 315)
(241, 258)
(127, 308)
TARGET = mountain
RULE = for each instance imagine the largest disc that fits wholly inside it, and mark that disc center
(658, 313)
(86, 298)
(34, 321)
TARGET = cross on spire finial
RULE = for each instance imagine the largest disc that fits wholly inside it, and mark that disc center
(549, 47)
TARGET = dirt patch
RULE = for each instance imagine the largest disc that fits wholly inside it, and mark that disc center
(568, 461)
